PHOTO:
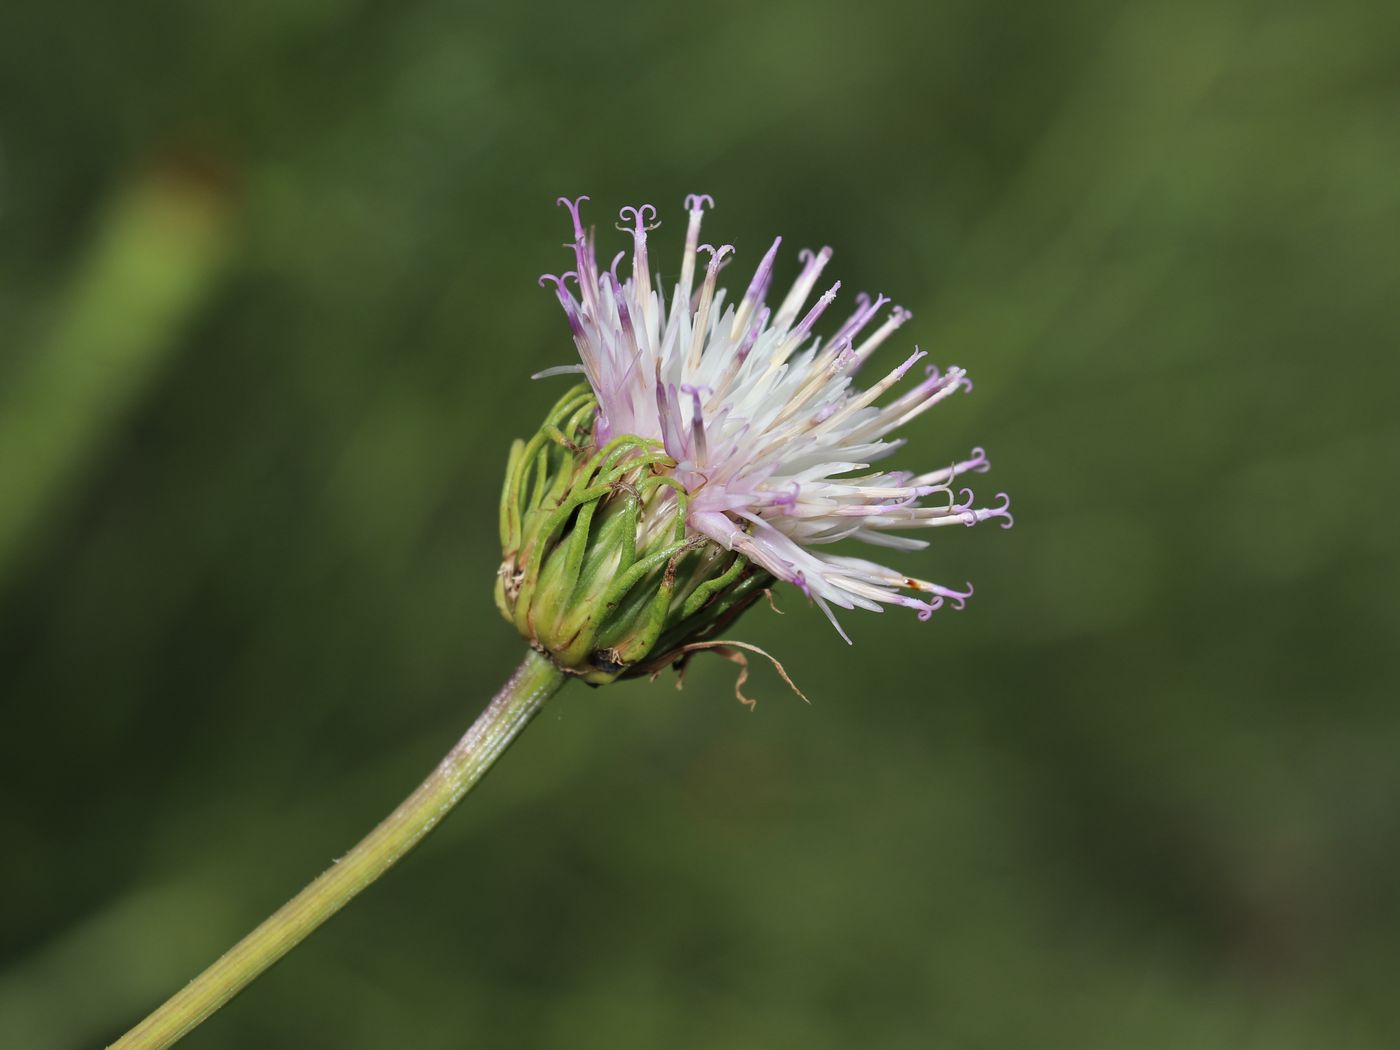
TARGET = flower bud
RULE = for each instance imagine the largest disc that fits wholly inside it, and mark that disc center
(598, 569)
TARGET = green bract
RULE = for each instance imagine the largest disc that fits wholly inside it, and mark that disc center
(598, 569)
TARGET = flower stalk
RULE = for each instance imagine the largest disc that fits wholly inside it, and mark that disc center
(520, 699)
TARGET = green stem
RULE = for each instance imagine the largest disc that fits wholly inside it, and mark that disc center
(534, 682)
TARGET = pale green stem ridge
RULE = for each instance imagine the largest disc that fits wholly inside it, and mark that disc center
(519, 700)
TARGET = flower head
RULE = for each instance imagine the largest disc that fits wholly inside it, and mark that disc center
(763, 430)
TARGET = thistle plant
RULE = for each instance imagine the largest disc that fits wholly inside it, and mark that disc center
(717, 449)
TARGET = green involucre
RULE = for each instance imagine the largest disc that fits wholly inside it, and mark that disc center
(598, 569)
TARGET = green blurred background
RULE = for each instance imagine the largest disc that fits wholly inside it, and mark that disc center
(267, 316)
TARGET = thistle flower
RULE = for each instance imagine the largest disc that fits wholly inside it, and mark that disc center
(749, 433)
(717, 447)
